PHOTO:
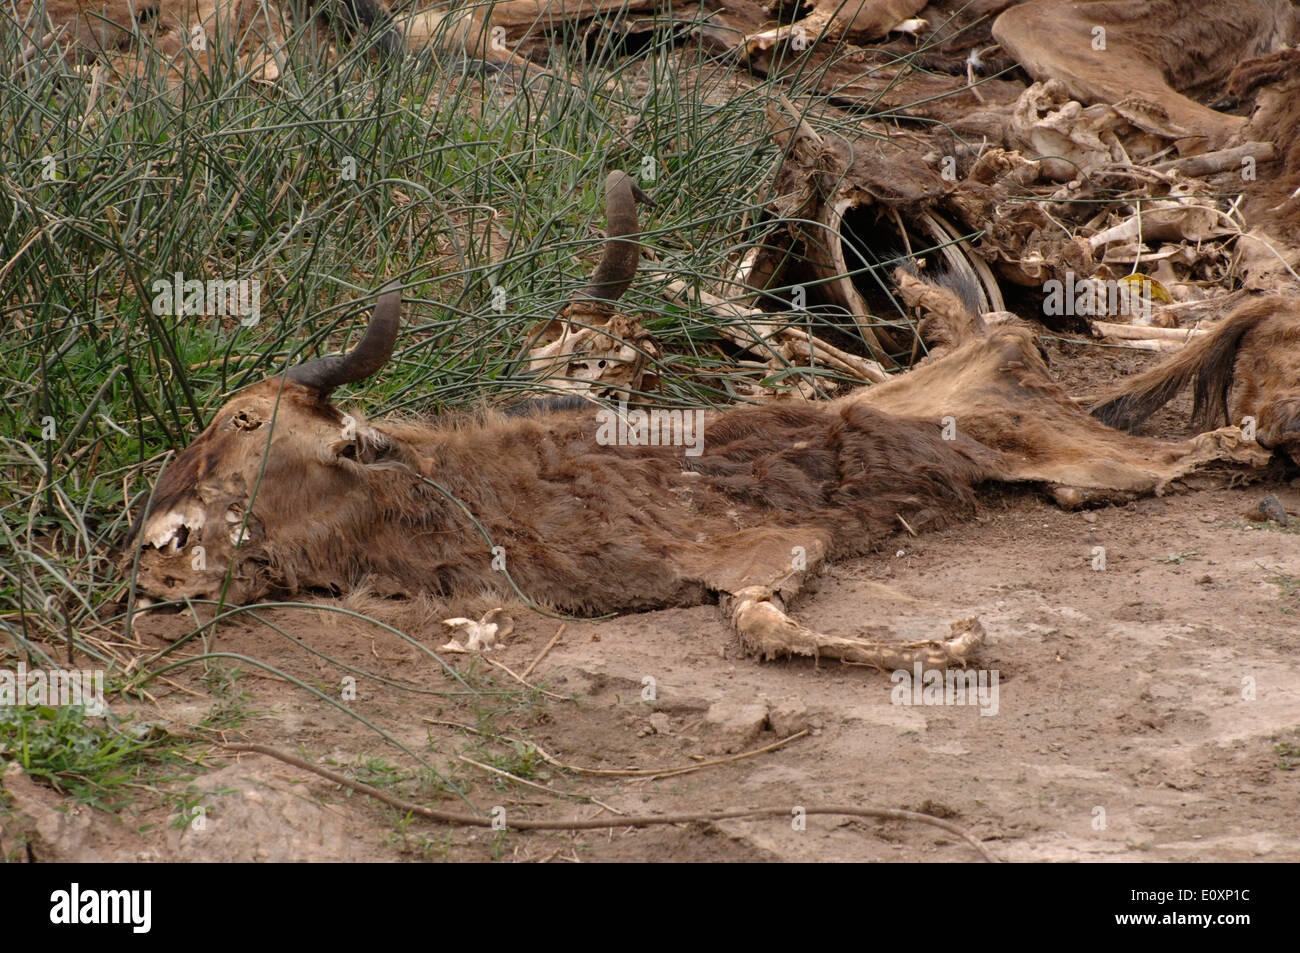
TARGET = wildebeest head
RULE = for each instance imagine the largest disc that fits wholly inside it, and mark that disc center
(277, 454)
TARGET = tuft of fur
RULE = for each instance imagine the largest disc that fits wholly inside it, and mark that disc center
(1208, 361)
(950, 300)
(1251, 74)
(534, 406)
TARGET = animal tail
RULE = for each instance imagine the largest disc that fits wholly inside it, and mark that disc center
(1209, 361)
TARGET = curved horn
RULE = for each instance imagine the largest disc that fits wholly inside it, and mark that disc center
(326, 373)
(617, 266)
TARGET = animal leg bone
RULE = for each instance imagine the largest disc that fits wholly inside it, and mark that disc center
(765, 630)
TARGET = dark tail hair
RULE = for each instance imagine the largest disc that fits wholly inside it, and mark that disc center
(1209, 361)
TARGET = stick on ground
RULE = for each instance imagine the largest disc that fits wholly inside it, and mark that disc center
(580, 824)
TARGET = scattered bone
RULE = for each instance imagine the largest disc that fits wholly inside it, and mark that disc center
(766, 631)
(832, 19)
(1175, 337)
(1222, 160)
(1146, 344)
(771, 335)
(480, 636)
(1069, 136)
(1188, 219)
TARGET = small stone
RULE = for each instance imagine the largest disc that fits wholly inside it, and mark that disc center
(1206, 580)
(660, 723)
(1270, 508)
(734, 727)
(788, 717)
(1089, 517)
(681, 705)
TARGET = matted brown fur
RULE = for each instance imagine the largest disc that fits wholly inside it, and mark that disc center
(329, 502)
(582, 526)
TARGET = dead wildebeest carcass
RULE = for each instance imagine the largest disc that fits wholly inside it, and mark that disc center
(285, 495)
(592, 511)
(581, 509)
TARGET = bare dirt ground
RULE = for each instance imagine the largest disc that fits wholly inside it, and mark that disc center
(1139, 710)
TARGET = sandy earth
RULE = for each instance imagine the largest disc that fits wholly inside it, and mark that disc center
(1126, 728)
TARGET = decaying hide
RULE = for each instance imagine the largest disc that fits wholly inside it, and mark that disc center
(490, 31)
(996, 389)
(1148, 52)
(118, 30)
(1074, 209)
(1274, 81)
(185, 32)
(1270, 251)
(822, 182)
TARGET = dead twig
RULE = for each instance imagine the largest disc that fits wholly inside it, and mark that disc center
(543, 653)
(648, 773)
(520, 680)
(585, 824)
(533, 784)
